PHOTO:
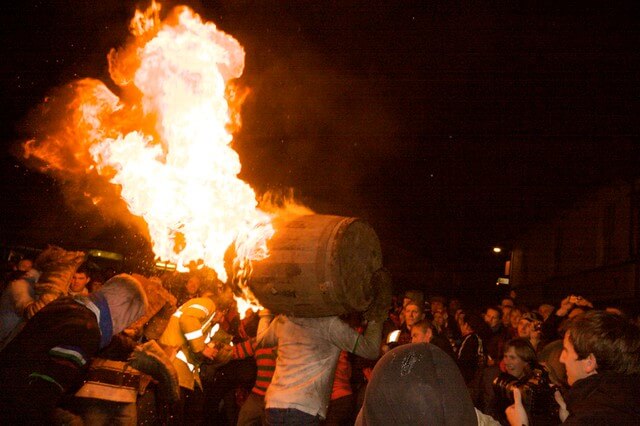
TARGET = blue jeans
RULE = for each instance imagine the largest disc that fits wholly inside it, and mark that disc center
(289, 417)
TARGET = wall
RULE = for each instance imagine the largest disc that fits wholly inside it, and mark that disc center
(590, 249)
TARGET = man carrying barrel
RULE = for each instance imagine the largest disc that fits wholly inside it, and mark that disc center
(308, 351)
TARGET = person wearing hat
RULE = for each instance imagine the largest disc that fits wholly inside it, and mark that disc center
(530, 328)
(53, 350)
(418, 383)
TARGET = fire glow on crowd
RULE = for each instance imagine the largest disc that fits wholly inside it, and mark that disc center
(164, 140)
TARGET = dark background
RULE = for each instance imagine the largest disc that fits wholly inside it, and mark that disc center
(450, 126)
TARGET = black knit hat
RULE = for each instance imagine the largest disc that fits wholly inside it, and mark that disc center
(416, 384)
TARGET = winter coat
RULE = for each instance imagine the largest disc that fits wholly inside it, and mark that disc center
(604, 398)
(45, 360)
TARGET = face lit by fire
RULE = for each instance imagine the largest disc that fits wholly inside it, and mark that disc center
(576, 368)
(192, 285)
(515, 365)
(437, 305)
(492, 317)
(412, 314)
(525, 327)
(78, 282)
(438, 320)
(514, 318)
(418, 335)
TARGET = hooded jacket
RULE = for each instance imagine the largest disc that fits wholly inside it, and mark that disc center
(415, 384)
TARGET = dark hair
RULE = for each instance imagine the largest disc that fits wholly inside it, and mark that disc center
(613, 340)
(84, 269)
(475, 321)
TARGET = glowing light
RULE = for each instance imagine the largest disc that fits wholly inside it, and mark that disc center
(164, 141)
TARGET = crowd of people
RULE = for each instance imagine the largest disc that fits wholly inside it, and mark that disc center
(174, 349)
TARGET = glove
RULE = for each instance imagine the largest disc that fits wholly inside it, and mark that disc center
(382, 286)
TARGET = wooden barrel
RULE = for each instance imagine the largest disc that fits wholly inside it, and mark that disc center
(318, 265)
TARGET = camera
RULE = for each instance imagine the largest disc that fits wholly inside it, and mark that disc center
(537, 394)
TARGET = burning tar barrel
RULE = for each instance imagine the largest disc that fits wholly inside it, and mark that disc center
(318, 265)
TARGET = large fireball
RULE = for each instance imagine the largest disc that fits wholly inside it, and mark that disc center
(164, 139)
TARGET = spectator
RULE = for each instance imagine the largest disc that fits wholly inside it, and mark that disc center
(554, 326)
(471, 352)
(514, 320)
(415, 296)
(422, 332)
(545, 310)
(440, 322)
(530, 328)
(519, 360)
(506, 304)
(549, 357)
(497, 335)
(411, 296)
(413, 312)
(437, 304)
(51, 353)
(601, 353)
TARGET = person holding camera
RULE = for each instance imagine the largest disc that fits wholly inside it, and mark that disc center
(530, 328)
(519, 369)
(601, 352)
(554, 326)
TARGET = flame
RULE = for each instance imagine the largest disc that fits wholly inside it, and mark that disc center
(165, 140)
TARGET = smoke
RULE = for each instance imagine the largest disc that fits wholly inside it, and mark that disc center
(313, 121)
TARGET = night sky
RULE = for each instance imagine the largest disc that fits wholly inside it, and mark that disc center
(450, 126)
